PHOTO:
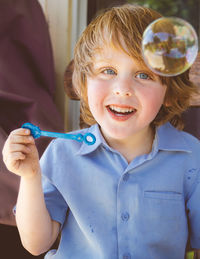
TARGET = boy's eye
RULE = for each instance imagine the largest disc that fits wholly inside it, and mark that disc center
(143, 76)
(109, 71)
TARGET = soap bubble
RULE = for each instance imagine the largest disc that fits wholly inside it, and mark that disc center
(169, 46)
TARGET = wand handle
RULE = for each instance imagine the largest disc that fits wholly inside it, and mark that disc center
(36, 132)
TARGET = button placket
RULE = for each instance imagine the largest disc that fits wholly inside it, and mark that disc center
(123, 218)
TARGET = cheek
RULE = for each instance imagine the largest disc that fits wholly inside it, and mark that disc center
(153, 100)
(96, 92)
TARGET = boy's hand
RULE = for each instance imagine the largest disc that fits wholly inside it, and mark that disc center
(20, 154)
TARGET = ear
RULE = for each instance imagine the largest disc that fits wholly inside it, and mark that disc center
(167, 104)
(167, 101)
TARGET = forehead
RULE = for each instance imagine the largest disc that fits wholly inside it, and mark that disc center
(111, 53)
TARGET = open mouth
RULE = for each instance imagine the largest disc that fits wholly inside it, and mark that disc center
(119, 111)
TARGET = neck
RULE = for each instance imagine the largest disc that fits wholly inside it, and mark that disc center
(136, 145)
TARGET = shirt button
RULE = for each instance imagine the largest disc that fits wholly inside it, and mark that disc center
(125, 216)
(126, 177)
(127, 256)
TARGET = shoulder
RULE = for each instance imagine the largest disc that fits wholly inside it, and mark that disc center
(192, 145)
(179, 145)
(192, 142)
(173, 139)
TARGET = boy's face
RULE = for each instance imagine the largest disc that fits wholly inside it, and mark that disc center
(123, 96)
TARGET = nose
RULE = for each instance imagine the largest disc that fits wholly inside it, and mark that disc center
(123, 88)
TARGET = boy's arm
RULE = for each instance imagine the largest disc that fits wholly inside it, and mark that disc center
(37, 231)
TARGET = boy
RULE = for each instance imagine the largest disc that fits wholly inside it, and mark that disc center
(135, 192)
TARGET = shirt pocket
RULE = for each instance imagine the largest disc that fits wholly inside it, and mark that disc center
(164, 195)
(164, 204)
(163, 215)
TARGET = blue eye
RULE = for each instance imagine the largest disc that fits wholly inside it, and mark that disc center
(143, 76)
(109, 72)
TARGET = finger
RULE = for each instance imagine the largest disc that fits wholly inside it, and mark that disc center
(12, 159)
(20, 148)
(17, 156)
(21, 131)
(21, 139)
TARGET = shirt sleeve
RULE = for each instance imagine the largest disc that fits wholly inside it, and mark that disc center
(193, 206)
(55, 203)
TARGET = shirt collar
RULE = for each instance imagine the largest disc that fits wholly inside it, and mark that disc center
(169, 138)
(86, 149)
(166, 138)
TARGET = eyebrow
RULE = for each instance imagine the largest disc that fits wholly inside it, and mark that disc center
(102, 60)
(103, 63)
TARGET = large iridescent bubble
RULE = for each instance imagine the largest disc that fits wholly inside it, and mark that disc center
(169, 46)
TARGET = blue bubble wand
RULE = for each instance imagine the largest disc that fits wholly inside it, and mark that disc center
(36, 132)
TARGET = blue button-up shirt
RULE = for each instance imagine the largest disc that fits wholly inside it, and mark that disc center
(108, 209)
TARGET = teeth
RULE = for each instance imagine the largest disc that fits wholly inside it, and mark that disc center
(120, 109)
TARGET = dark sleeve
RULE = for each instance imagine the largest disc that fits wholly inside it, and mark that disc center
(27, 84)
